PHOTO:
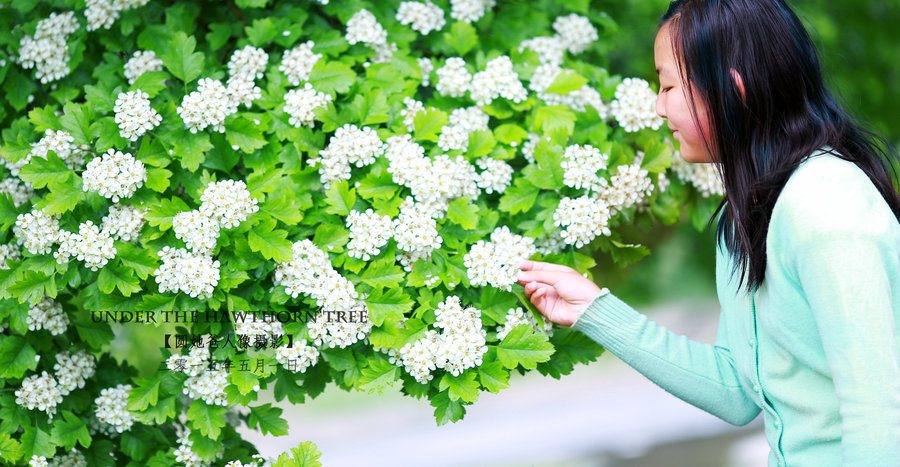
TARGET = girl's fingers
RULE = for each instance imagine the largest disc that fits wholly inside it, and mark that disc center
(529, 265)
(549, 277)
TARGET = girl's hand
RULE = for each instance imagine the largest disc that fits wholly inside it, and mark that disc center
(559, 292)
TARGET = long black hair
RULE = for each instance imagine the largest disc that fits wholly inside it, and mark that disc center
(785, 113)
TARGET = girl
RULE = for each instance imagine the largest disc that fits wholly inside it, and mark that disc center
(808, 253)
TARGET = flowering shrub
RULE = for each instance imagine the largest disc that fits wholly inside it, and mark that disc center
(388, 161)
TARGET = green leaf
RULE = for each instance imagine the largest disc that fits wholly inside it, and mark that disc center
(566, 82)
(18, 87)
(69, 430)
(481, 142)
(270, 242)
(462, 37)
(549, 158)
(375, 187)
(191, 148)
(463, 212)
(161, 215)
(339, 198)
(117, 278)
(428, 124)
(493, 376)
(462, 387)
(63, 197)
(16, 357)
(269, 420)
(159, 412)
(158, 179)
(100, 97)
(520, 197)
(44, 118)
(8, 212)
(245, 135)
(151, 82)
(145, 394)
(624, 254)
(388, 306)
(206, 418)
(551, 118)
(40, 172)
(447, 410)
(524, 346)
(370, 108)
(657, 158)
(383, 273)
(107, 133)
(204, 446)
(508, 133)
(284, 207)
(30, 287)
(332, 77)
(36, 442)
(77, 119)
(261, 32)
(378, 375)
(179, 57)
(307, 455)
(10, 449)
(251, 3)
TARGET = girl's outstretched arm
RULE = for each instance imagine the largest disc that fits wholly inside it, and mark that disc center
(700, 374)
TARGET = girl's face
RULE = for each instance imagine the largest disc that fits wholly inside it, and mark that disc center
(674, 102)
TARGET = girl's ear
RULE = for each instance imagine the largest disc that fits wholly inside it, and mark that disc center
(739, 82)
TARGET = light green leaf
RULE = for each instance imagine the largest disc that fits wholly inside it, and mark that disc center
(179, 57)
(261, 32)
(508, 133)
(44, 118)
(191, 148)
(447, 410)
(520, 197)
(151, 82)
(462, 37)
(428, 124)
(41, 172)
(117, 278)
(270, 242)
(332, 77)
(206, 418)
(340, 198)
(307, 455)
(245, 135)
(378, 375)
(390, 305)
(551, 118)
(30, 287)
(463, 212)
(493, 376)
(566, 82)
(16, 357)
(146, 393)
(63, 197)
(370, 108)
(524, 346)
(284, 207)
(69, 430)
(481, 142)
(161, 215)
(269, 420)
(158, 179)
(383, 273)
(462, 387)
(36, 442)
(10, 449)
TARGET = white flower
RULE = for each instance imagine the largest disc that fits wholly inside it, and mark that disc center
(228, 202)
(469, 11)
(300, 104)
(705, 177)
(415, 230)
(39, 392)
(628, 187)
(207, 106)
(297, 63)
(427, 67)
(576, 32)
(197, 230)
(182, 271)
(548, 49)
(496, 175)
(577, 100)
(36, 231)
(364, 27)
(10, 252)
(248, 63)
(413, 107)
(193, 364)
(453, 138)
(583, 219)
(124, 222)
(17, 190)
(73, 370)
(470, 119)
(241, 91)
(297, 358)
(47, 314)
(134, 114)
(453, 79)
(114, 175)
(38, 461)
(48, 51)
(91, 244)
(496, 262)
(208, 385)
(497, 80)
(112, 407)
(368, 233)
(529, 146)
(103, 13)
(60, 142)
(635, 105)
(580, 165)
(424, 17)
(349, 145)
(72, 459)
(517, 316)
(141, 62)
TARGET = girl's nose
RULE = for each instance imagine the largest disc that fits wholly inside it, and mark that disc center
(660, 106)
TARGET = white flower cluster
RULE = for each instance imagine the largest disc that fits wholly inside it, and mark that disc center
(36, 231)
(112, 408)
(580, 165)
(415, 232)
(582, 218)
(141, 62)
(60, 142)
(297, 63)
(91, 244)
(705, 177)
(517, 316)
(462, 122)
(17, 190)
(550, 244)
(38, 461)
(253, 325)
(228, 203)
(427, 67)
(297, 358)
(208, 385)
(103, 13)
(549, 49)
(207, 106)
(470, 11)
(459, 346)
(528, 147)
(73, 458)
(628, 187)
(248, 63)
(453, 79)
(47, 314)
(197, 230)
(495, 175)
(182, 271)
(635, 105)
(134, 114)
(48, 51)
(349, 145)
(258, 460)
(123, 222)
(10, 252)
(576, 32)
(577, 100)
(310, 272)
(300, 104)
(413, 107)
(73, 370)
(114, 175)
(424, 17)
(39, 392)
(368, 233)
(364, 27)
(186, 455)
(497, 80)
(193, 364)
(497, 261)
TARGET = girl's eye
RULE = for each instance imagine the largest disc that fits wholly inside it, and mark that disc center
(666, 89)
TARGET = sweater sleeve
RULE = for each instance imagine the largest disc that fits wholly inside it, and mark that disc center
(846, 279)
(700, 374)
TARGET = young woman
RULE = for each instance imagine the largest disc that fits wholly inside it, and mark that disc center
(808, 251)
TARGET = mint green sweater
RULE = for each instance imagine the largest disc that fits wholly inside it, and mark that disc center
(815, 349)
